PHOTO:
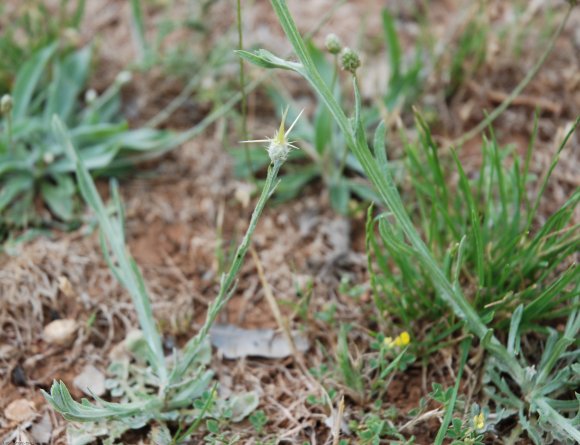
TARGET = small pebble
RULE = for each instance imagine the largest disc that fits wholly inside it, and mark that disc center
(60, 332)
(18, 376)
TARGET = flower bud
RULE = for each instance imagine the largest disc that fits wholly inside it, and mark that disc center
(48, 158)
(90, 96)
(333, 44)
(6, 104)
(349, 60)
(124, 77)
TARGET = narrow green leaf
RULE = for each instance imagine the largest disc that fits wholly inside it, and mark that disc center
(27, 80)
(464, 351)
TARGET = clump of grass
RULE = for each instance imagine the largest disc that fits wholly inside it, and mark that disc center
(540, 406)
(481, 231)
(160, 388)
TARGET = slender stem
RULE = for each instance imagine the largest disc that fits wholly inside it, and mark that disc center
(518, 89)
(9, 133)
(139, 29)
(179, 100)
(244, 104)
(227, 281)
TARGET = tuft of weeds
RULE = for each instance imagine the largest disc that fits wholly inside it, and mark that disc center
(150, 386)
(37, 188)
(537, 393)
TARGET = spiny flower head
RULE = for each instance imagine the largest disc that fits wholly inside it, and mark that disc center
(350, 60)
(403, 339)
(279, 146)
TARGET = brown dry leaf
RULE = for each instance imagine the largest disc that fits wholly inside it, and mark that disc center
(233, 342)
(66, 287)
(243, 193)
(20, 410)
(90, 381)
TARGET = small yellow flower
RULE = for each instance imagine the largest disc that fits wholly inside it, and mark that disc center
(479, 421)
(388, 341)
(403, 339)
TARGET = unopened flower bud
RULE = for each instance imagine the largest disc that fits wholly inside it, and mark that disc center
(333, 44)
(124, 77)
(90, 96)
(6, 104)
(349, 60)
(48, 158)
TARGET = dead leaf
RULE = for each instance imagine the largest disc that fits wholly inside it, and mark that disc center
(41, 431)
(66, 287)
(243, 193)
(20, 410)
(90, 381)
(233, 342)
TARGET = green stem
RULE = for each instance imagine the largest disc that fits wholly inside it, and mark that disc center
(9, 143)
(139, 29)
(243, 104)
(227, 281)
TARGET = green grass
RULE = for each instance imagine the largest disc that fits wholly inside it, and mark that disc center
(482, 231)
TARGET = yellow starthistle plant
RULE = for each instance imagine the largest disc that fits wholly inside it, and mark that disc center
(279, 146)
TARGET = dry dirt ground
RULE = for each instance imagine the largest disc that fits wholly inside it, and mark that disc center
(176, 213)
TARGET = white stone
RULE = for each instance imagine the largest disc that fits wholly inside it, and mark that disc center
(60, 332)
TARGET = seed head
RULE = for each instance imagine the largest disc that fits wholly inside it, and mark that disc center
(349, 60)
(333, 44)
(6, 104)
(279, 146)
